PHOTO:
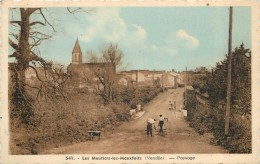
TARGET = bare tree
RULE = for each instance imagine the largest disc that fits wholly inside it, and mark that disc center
(92, 57)
(104, 73)
(24, 41)
(112, 55)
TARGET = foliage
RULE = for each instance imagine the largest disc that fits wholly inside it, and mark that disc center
(199, 82)
(191, 104)
(205, 119)
(211, 117)
(215, 83)
(241, 81)
(201, 70)
(62, 123)
(132, 96)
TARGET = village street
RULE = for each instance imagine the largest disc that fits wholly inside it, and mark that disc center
(130, 137)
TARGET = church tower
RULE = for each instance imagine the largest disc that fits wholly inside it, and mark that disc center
(76, 54)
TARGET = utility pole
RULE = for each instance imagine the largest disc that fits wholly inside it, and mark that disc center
(162, 84)
(228, 104)
(136, 76)
(185, 87)
(153, 79)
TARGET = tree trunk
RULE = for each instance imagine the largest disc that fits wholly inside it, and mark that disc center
(21, 99)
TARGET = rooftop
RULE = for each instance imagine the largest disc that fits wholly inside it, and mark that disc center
(77, 48)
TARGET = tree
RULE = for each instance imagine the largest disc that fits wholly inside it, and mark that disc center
(199, 79)
(241, 76)
(24, 41)
(112, 55)
(201, 70)
(104, 74)
(241, 81)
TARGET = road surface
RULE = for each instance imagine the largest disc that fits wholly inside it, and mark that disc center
(130, 137)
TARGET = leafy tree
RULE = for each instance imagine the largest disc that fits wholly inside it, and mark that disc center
(241, 81)
(199, 79)
(201, 70)
(212, 117)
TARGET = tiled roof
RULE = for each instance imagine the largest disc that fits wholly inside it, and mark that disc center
(76, 48)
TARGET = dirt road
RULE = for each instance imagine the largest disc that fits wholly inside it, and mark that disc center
(130, 138)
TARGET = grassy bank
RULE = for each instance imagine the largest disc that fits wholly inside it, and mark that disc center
(204, 118)
(58, 122)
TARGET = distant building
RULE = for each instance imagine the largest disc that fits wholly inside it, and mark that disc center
(82, 72)
(152, 78)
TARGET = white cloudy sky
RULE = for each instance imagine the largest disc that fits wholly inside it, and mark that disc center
(162, 38)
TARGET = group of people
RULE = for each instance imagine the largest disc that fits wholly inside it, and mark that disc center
(151, 125)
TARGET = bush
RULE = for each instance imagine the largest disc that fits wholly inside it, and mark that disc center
(213, 117)
(203, 118)
(132, 96)
(121, 111)
(61, 123)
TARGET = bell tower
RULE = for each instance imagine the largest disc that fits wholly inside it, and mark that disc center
(76, 53)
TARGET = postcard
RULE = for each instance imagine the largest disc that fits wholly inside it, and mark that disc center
(129, 81)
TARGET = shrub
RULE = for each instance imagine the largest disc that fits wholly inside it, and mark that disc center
(132, 96)
(60, 123)
(203, 118)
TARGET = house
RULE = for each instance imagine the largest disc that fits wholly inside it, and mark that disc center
(83, 75)
(151, 78)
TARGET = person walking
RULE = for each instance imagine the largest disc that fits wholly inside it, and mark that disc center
(161, 122)
(150, 126)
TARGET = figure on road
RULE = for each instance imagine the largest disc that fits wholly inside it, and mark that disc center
(161, 122)
(150, 126)
(170, 105)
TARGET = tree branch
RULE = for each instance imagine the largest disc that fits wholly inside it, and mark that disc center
(38, 42)
(47, 21)
(79, 9)
(37, 75)
(12, 44)
(29, 11)
(37, 22)
(15, 55)
(16, 22)
(39, 33)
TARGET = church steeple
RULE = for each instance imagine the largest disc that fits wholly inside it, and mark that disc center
(76, 53)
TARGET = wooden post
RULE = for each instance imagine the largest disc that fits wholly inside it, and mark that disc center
(228, 104)
(153, 79)
(136, 78)
(162, 84)
(185, 87)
